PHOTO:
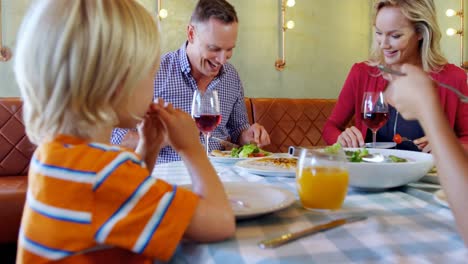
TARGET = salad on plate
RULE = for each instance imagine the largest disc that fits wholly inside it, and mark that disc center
(358, 155)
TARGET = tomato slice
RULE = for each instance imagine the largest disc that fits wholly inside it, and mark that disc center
(397, 138)
(259, 154)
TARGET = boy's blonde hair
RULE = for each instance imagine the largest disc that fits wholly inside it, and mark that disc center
(78, 61)
(422, 14)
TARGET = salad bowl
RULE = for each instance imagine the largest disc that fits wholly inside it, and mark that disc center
(384, 175)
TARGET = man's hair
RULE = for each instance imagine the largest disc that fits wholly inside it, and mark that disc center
(422, 15)
(79, 61)
(218, 9)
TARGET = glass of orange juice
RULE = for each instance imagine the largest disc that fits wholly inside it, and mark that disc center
(321, 179)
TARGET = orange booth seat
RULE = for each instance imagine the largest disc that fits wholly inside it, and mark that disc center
(295, 122)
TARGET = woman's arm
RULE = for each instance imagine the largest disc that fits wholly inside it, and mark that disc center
(343, 112)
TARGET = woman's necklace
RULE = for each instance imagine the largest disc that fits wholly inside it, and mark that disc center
(396, 123)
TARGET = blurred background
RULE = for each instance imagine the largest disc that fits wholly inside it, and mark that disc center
(327, 38)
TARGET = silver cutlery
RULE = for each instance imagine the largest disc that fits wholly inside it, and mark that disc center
(375, 158)
(462, 97)
(288, 237)
(225, 142)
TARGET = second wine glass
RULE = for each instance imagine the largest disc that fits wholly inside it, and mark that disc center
(206, 112)
(374, 112)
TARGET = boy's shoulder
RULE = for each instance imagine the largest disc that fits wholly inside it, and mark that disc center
(85, 155)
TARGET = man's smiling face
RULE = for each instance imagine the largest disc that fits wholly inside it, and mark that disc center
(212, 45)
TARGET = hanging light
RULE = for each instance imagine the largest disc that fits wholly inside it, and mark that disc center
(163, 13)
(290, 24)
(290, 3)
(451, 32)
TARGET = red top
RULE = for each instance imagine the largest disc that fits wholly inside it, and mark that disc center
(363, 78)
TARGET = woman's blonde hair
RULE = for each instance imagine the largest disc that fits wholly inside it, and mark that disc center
(422, 14)
(78, 61)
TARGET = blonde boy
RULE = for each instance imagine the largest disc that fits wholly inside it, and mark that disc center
(84, 67)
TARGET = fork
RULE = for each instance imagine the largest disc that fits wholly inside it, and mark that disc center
(462, 97)
(406, 139)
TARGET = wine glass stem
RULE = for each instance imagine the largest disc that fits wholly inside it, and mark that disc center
(207, 138)
(374, 138)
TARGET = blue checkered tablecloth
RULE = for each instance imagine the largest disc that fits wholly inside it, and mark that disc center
(403, 226)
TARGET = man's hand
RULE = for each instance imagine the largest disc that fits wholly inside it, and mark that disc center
(255, 134)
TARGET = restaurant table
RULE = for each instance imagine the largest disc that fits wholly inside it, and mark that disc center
(404, 225)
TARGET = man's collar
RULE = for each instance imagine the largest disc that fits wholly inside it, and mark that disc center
(184, 61)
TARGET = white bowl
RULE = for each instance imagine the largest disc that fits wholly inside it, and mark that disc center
(387, 175)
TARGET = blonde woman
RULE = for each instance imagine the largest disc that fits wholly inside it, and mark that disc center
(84, 67)
(406, 31)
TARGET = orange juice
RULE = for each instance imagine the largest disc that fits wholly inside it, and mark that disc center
(322, 187)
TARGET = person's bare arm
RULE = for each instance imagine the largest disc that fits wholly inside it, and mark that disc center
(451, 161)
(416, 98)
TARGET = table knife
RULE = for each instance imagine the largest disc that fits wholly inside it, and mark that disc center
(288, 237)
(227, 143)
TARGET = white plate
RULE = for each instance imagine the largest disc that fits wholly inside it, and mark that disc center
(439, 196)
(388, 175)
(247, 166)
(228, 160)
(381, 145)
(431, 177)
(253, 199)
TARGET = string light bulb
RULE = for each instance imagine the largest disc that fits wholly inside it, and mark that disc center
(290, 24)
(451, 32)
(450, 12)
(290, 3)
(163, 13)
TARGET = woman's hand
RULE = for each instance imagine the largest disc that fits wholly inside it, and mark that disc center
(423, 144)
(351, 138)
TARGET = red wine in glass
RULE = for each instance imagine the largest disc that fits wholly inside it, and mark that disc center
(207, 123)
(374, 112)
(206, 112)
(374, 120)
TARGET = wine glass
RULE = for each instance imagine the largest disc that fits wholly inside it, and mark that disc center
(206, 112)
(374, 112)
(322, 179)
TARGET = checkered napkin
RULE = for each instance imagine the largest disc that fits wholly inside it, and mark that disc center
(400, 228)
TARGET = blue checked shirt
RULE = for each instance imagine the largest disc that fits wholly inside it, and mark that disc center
(174, 83)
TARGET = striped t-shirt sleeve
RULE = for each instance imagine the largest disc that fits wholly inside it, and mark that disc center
(136, 211)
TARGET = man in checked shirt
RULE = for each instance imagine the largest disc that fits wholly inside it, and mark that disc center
(201, 63)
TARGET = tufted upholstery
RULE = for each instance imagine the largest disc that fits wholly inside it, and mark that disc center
(15, 148)
(289, 121)
(15, 153)
(292, 122)
(248, 106)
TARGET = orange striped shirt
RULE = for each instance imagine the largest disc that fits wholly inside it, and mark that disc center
(86, 196)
